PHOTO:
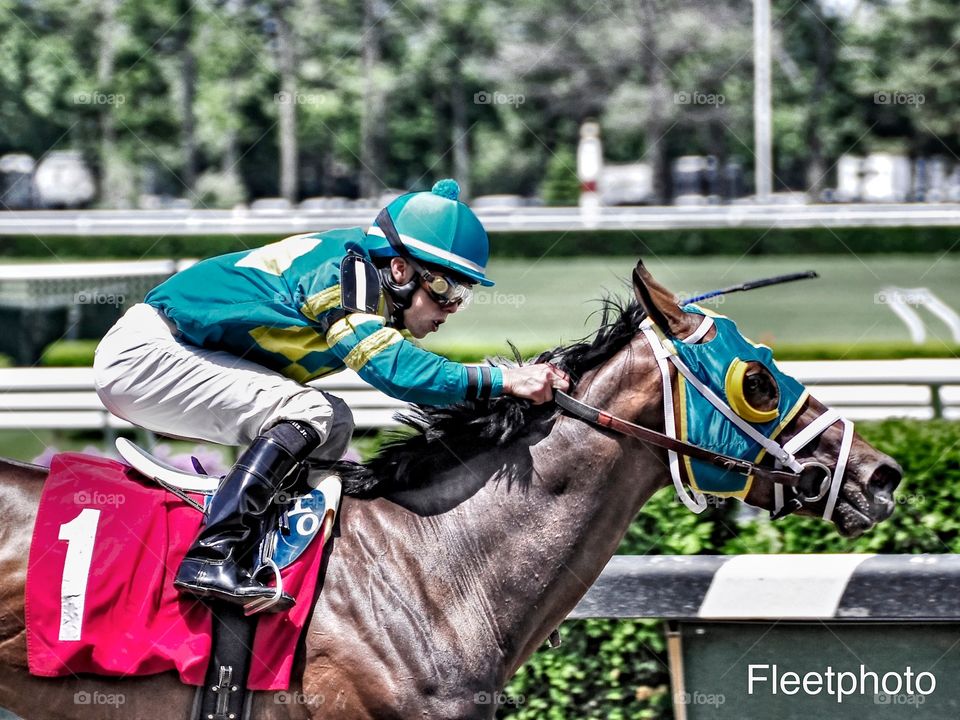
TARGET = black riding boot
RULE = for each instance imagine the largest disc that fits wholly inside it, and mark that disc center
(218, 563)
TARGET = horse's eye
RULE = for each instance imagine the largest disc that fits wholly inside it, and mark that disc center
(760, 390)
(752, 391)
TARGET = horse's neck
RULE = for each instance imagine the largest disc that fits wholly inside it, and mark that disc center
(521, 553)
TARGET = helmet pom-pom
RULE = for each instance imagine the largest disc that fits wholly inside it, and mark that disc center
(447, 188)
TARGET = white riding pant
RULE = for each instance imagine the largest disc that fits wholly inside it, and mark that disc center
(145, 374)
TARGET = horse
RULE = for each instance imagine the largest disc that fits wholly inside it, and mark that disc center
(466, 544)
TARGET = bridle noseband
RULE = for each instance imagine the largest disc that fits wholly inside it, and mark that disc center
(806, 482)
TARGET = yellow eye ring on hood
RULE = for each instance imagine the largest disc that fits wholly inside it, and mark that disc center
(733, 385)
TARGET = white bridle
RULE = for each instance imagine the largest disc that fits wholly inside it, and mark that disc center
(784, 455)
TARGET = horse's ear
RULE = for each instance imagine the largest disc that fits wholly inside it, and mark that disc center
(661, 304)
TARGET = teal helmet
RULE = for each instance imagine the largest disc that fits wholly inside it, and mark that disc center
(435, 228)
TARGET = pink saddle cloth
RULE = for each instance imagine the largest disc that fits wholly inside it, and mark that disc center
(100, 596)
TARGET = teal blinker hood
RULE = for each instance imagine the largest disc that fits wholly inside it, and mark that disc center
(701, 423)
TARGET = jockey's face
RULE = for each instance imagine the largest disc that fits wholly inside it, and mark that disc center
(424, 316)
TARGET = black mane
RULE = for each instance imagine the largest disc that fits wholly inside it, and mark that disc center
(447, 436)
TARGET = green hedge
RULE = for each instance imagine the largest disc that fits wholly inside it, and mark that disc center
(614, 669)
(69, 353)
(736, 241)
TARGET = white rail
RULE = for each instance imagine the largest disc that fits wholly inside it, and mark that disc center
(64, 398)
(244, 221)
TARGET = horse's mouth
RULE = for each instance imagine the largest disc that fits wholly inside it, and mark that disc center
(855, 514)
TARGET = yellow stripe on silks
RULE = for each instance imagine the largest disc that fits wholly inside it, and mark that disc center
(293, 342)
(344, 326)
(371, 346)
(317, 304)
(279, 256)
(296, 371)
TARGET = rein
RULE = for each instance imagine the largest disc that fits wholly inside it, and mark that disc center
(808, 482)
(808, 485)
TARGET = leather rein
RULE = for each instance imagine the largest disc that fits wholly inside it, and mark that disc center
(807, 482)
(807, 485)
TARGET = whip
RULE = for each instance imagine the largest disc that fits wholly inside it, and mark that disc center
(754, 284)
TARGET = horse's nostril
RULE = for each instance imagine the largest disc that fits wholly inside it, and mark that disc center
(885, 478)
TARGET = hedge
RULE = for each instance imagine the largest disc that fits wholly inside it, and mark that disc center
(616, 669)
(733, 241)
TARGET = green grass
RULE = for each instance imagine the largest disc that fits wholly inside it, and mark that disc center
(539, 304)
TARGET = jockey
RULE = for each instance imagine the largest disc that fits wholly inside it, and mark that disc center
(223, 352)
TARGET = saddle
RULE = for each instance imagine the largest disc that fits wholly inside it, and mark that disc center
(312, 515)
(99, 599)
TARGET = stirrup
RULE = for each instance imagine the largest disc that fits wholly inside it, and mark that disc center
(262, 604)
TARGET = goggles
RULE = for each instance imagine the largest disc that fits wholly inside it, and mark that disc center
(444, 291)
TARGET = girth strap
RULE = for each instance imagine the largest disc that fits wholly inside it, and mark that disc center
(224, 694)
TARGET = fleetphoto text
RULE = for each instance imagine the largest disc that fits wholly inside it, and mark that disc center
(900, 687)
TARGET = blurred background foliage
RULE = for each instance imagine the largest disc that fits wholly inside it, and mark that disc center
(221, 101)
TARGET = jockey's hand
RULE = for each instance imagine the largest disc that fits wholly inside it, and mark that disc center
(534, 382)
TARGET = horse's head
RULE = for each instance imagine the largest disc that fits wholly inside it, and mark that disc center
(729, 397)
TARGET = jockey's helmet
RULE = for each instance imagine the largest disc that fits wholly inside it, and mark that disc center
(437, 229)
